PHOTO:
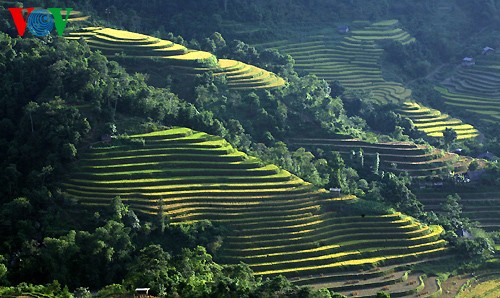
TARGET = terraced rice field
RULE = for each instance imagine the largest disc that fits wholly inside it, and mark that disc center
(240, 75)
(75, 16)
(483, 207)
(112, 42)
(476, 89)
(432, 122)
(354, 60)
(279, 223)
(163, 54)
(417, 160)
(486, 285)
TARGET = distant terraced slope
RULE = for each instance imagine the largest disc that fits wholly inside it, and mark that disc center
(244, 76)
(433, 122)
(163, 54)
(486, 285)
(279, 223)
(417, 160)
(76, 16)
(476, 89)
(353, 60)
(483, 207)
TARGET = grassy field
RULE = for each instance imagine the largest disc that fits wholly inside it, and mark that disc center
(128, 46)
(352, 59)
(433, 122)
(475, 89)
(279, 223)
(417, 160)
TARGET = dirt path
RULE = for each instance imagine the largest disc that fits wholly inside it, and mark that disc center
(429, 75)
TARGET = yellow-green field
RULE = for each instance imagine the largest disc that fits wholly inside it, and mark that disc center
(240, 75)
(279, 223)
(433, 123)
(125, 46)
(486, 286)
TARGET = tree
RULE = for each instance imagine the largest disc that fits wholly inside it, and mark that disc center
(10, 179)
(199, 272)
(119, 210)
(395, 190)
(82, 293)
(31, 107)
(114, 290)
(218, 40)
(449, 135)
(236, 281)
(69, 152)
(336, 165)
(152, 267)
(376, 164)
(398, 133)
(361, 157)
(453, 211)
(3, 271)
(383, 295)
(59, 255)
(161, 215)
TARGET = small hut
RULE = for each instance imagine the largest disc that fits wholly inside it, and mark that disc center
(142, 292)
(335, 191)
(343, 29)
(468, 62)
(488, 50)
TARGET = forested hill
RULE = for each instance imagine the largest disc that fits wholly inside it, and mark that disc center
(196, 19)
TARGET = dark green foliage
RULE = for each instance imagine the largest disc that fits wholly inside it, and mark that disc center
(301, 162)
(473, 244)
(383, 295)
(53, 289)
(113, 290)
(450, 135)
(412, 60)
(395, 189)
(453, 210)
(3, 271)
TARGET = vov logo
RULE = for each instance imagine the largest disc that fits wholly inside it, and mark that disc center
(40, 22)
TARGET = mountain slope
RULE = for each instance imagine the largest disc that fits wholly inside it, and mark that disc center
(353, 59)
(475, 89)
(279, 223)
(160, 55)
(417, 160)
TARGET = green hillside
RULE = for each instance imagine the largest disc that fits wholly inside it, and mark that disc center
(432, 122)
(279, 223)
(249, 149)
(353, 59)
(161, 55)
(416, 160)
(483, 207)
(476, 89)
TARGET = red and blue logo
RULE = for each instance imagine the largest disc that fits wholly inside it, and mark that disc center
(40, 22)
